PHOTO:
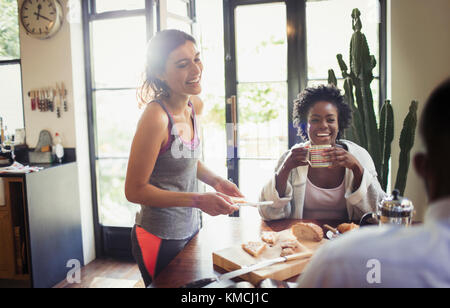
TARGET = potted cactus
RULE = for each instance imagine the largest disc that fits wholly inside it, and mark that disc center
(375, 137)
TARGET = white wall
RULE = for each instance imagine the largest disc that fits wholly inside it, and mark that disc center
(418, 60)
(45, 62)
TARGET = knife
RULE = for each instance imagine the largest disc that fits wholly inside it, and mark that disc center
(223, 280)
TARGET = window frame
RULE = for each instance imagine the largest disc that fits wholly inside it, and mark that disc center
(17, 61)
(103, 234)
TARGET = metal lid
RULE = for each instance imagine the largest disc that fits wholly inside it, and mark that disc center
(396, 204)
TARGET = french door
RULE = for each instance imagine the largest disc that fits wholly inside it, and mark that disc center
(265, 65)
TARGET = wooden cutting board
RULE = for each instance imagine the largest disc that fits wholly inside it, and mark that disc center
(235, 257)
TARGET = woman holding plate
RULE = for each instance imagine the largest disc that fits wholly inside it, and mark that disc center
(164, 160)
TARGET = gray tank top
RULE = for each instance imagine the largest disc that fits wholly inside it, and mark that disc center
(175, 170)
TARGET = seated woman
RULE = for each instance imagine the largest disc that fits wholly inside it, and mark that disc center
(343, 191)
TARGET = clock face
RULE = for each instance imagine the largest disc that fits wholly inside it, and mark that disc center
(41, 18)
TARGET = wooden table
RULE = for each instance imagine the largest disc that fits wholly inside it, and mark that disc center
(195, 260)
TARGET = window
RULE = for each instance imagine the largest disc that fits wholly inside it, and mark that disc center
(118, 5)
(261, 93)
(11, 104)
(272, 64)
(118, 34)
(209, 14)
(327, 37)
(177, 14)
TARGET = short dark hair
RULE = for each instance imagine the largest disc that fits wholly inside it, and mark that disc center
(308, 97)
(435, 130)
(158, 51)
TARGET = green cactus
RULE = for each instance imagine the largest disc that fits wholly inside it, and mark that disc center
(376, 139)
(386, 135)
(361, 64)
(332, 78)
(358, 133)
(356, 125)
(406, 143)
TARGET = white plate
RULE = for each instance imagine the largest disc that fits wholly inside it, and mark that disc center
(254, 204)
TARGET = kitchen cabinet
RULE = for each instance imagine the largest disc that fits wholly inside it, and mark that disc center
(40, 226)
(6, 253)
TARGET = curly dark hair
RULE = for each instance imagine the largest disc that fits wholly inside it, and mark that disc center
(308, 97)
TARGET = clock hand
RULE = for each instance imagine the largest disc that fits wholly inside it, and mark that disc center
(39, 10)
(39, 15)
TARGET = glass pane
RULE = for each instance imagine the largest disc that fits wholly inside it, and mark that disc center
(318, 82)
(11, 106)
(9, 30)
(214, 144)
(261, 42)
(375, 87)
(117, 115)
(178, 7)
(331, 36)
(253, 175)
(114, 209)
(211, 46)
(262, 119)
(115, 5)
(118, 47)
(173, 23)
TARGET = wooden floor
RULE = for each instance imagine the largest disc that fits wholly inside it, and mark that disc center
(107, 273)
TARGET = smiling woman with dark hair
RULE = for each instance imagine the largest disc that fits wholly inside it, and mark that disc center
(346, 189)
(309, 97)
(164, 159)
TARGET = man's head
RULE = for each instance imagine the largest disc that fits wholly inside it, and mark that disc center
(434, 165)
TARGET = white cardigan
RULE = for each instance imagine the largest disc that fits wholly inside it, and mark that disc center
(363, 200)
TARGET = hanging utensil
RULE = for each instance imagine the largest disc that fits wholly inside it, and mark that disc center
(64, 93)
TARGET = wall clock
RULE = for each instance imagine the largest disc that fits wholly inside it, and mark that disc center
(41, 19)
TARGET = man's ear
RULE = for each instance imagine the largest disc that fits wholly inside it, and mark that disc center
(420, 164)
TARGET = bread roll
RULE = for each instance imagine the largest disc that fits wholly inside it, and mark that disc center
(345, 227)
(307, 232)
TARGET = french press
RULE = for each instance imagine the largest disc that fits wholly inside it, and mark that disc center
(394, 209)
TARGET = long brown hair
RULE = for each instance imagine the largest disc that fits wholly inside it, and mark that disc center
(158, 51)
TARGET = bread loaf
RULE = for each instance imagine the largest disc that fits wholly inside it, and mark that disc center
(307, 232)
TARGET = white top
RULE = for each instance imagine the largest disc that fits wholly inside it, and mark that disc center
(325, 203)
(359, 202)
(387, 256)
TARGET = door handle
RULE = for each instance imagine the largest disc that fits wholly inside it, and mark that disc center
(232, 101)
